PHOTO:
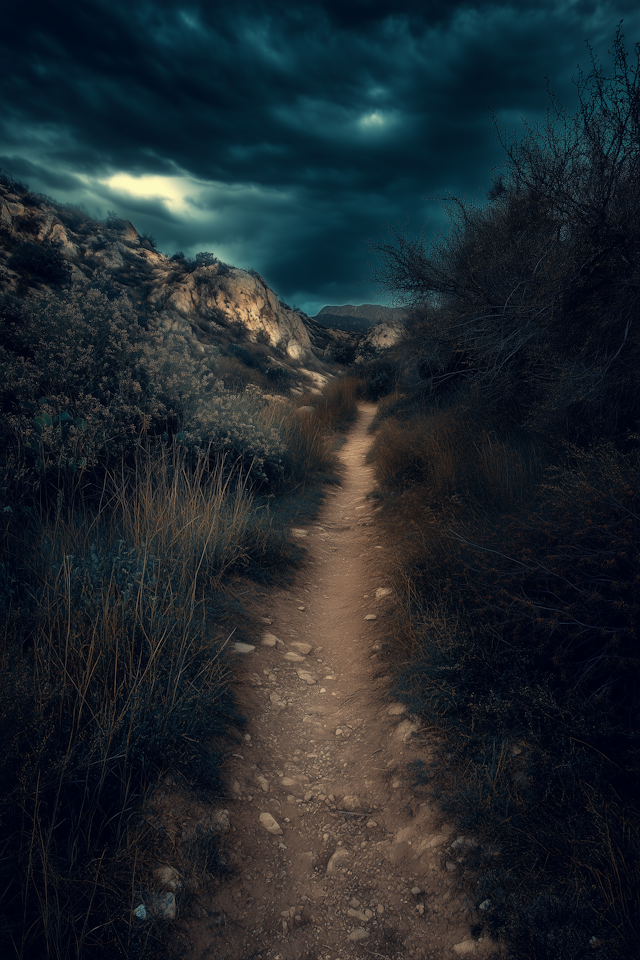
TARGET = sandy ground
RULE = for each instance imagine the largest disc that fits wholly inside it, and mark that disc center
(357, 864)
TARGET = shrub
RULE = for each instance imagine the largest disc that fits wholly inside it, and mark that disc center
(40, 262)
(114, 673)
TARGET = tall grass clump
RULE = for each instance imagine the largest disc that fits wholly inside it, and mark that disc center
(510, 490)
(115, 673)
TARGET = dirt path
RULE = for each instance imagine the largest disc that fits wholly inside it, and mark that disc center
(355, 866)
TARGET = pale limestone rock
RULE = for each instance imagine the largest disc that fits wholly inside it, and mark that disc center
(359, 934)
(303, 648)
(270, 824)
(383, 592)
(243, 647)
(396, 709)
(293, 657)
(270, 640)
(466, 948)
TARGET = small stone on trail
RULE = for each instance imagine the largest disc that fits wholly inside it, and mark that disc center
(263, 783)
(301, 608)
(297, 532)
(372, 823)
(354, 903)
(371, 616)
(396, 709)
(416, 891)
(306, 677)
(243, 647)
(270, 825)
(270, 640)
(287, 782)
(293, 657)
(303, 648)
(358, 934)
(466, 948)
(383, 592)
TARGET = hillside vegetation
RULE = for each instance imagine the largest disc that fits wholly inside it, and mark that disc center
(139, 486)
(508, 460)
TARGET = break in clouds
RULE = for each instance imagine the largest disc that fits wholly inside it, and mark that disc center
(281, 136)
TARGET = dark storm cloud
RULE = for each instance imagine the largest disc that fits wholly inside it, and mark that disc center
(286, 133)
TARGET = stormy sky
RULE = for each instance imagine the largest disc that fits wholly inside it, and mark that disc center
(281, 135)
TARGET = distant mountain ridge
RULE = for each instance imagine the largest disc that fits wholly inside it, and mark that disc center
(356, 319)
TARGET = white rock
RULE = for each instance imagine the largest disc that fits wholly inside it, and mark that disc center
(396, 709)
(358, 934)
(371, 616)
(383, 592)
(264, 784)
(243, 647)
(293, 657)
(297, 532)
(270, 825)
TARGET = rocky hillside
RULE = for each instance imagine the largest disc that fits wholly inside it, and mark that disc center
(46, 244)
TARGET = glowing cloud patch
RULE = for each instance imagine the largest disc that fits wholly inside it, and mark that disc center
(172, 190)
(372, 121)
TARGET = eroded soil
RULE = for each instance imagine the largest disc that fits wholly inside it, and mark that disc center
(359, 868)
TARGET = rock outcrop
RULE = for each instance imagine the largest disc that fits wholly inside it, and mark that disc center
(198, 299)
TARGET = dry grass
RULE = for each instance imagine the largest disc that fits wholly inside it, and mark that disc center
(516, 642)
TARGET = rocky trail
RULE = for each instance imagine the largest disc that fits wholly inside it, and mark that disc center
(334, 856)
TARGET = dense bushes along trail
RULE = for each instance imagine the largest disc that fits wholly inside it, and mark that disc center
(354, 865)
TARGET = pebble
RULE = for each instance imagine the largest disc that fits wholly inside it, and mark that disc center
(371, 616)
(306, 677)
(270, 824)
(270, 640)
(416, 891)
(358, 934)
(396, 709)
(357, 915)
(264, 784)
(293, 657)
(243, 647)
(383, 592)
(303, 648)
(372, 823)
